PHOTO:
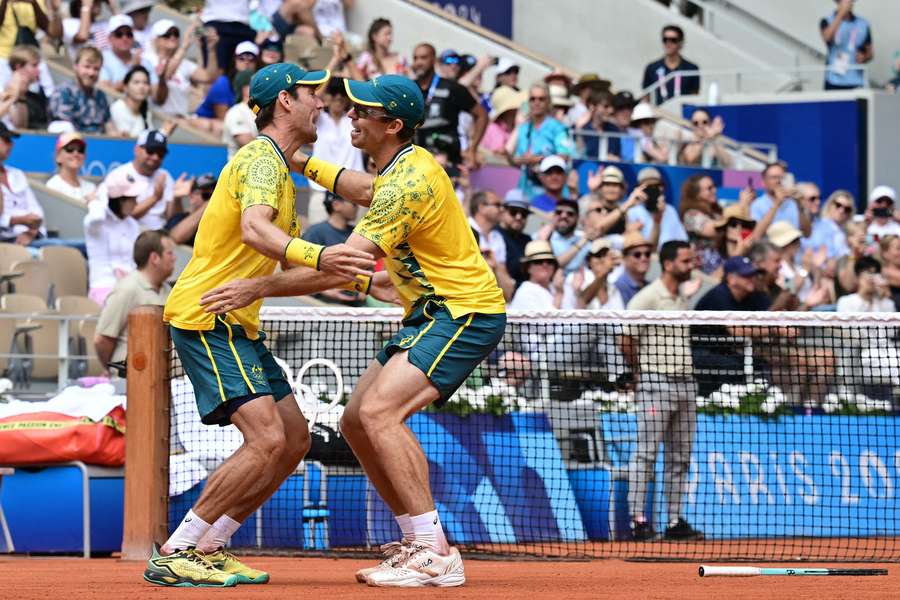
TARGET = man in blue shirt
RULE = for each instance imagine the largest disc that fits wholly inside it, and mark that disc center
(849, 41)
(553, 180)
(663, 224)
(570, 246)
(636, 252)
(777, 204)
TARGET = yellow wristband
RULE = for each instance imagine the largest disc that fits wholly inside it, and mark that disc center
(361, 284)
(301, 252)
(322, 172)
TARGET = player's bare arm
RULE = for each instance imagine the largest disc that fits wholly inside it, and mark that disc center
(340, 260)
(354, 186)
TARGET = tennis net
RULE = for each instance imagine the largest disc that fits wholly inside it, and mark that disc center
(769, 435)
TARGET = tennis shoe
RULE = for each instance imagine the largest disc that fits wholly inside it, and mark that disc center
(681, 530)
(227, 562)
(185, 568)
(392, 552)
(642, 531)
(422, 566)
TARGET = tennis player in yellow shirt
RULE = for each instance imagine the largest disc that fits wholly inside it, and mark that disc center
(249, 227)
(455, 316)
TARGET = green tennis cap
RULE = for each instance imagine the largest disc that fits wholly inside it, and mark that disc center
(399, 96)
(269, 81)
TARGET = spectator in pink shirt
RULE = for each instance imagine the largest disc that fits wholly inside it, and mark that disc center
(505, 102)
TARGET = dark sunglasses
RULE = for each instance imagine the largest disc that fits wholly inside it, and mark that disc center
(568, 213)
(537, 99)
(545, 261)
(172, 33)
(120, 33)
(640, 254)
(451, 60)
(671, 40)
(816, 198)
(365, 112)
(73, 148)
(517, 213)
(882, 200)
(159, 153)
(844, 207)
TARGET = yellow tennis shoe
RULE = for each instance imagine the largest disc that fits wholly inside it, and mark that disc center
(185, 568)
(228, 563)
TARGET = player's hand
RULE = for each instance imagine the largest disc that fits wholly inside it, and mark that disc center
(231, 296)
(346, 261)
(382, 289)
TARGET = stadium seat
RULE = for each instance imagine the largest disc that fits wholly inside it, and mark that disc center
(35, 279)
(81, 333)
(68, 270)
(9, 255)
(87, 328)
(42, 337)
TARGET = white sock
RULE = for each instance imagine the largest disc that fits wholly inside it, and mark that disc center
(427, 530)
(218, 535)
(188, 533)
(405, 526)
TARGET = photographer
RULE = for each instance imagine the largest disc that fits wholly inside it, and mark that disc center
(880, 213)
(873, 293)
(659, 220)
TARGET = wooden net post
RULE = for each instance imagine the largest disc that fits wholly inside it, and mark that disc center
(147, 434)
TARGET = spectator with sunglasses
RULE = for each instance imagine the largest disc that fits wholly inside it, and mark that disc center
(543, 290)
(512, 227)
(828, 229)
(182, 226)
(70, 155)
(156, 189)
(636, 264)
(880, 213)
(706, 142)
(167, 56)
(589, 287)
(121, 56)
(486, 209)
(570, 244)
(671, 62)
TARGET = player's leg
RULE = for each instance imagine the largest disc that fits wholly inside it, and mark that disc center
(652, 413)
(678, 443)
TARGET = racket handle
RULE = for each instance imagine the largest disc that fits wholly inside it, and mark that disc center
(707, 571)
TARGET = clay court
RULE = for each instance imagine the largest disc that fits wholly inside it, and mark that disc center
(97, 579)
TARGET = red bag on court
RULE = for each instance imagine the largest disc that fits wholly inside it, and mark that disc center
(50, 437)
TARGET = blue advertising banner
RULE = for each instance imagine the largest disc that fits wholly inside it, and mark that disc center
(495, 15)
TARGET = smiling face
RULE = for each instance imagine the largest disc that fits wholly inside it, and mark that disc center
(305, 111)
(87, 71)
(370, 126)
(71, 156)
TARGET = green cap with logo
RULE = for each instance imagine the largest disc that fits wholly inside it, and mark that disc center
(269, 81)
(399, 96)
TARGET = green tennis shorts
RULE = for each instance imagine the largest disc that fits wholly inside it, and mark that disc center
(447, 350)
(227, 369)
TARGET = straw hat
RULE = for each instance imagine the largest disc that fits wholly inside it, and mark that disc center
(634, 239)
(538, 250)
(783, 234)
(506, 98)
(559, 96)
(738, 212)
(591, 80)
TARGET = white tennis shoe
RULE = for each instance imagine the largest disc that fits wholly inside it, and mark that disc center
(422, 566)
(393, 552)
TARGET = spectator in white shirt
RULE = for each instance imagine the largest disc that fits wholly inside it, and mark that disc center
(590, 287)
(110, 232)
(121, 56)
(873, 293)
(131, 113)
(70, 154)
(139, 11)
(486, 209)
(84, 27)
(166, 57)
(22, 218)
(333, 143)
(880, 213)
(155, 200)
(239, 126)
(543, 289)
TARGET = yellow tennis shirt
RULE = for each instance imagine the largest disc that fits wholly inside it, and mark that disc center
(258, 174)
(431, 252)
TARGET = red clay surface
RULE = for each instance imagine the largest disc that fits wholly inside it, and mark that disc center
(328, 579)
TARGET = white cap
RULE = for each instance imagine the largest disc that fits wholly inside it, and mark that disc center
(643, 111)
(504, 65)
(162, 27)
(553, 161)
(246, 48)
(883, 191)
(119, 20)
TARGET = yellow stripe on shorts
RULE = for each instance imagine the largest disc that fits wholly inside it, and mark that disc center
(237, 357)
(450, 343)
(423, 332)
(215, 368)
